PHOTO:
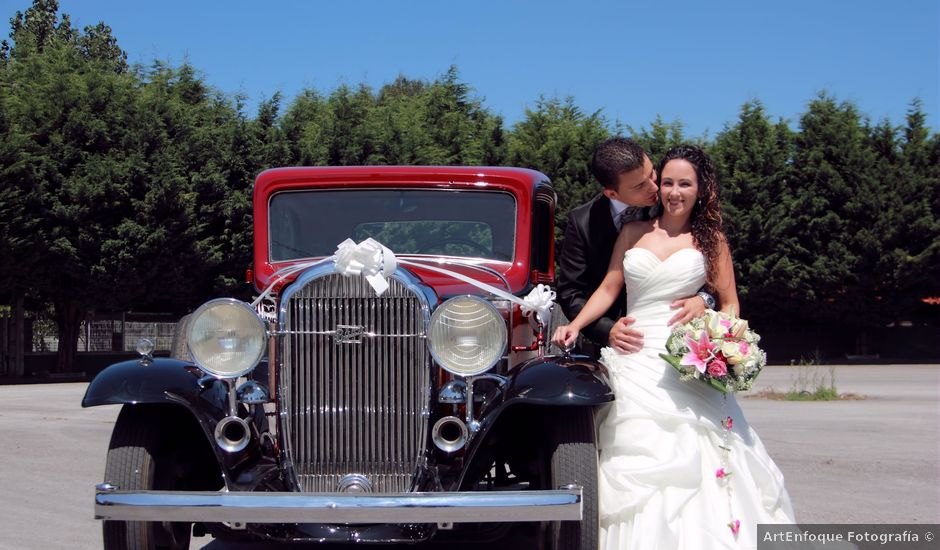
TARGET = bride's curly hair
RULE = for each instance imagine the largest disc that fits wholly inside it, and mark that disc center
(706, 214)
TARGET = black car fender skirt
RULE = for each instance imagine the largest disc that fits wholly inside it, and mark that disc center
(559, 380)
(175, 383)
(157, 381)
(554, 381)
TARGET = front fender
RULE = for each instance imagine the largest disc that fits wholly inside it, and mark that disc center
(559, 380)
(563, 380)
(158, 381)
(171, 382)
(556, 381)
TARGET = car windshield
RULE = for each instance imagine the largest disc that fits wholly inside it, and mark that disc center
(469, 223)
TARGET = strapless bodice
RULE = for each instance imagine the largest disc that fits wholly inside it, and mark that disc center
(653, 284)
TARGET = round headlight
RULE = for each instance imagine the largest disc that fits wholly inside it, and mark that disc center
(467, 335)
(226, 337)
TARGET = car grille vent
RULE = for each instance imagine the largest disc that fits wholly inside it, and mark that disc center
(355, 384)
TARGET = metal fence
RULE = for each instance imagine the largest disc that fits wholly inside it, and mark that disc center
(161, 334)
(106, 335)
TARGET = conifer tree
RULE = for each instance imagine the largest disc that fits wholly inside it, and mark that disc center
(915, 247)
(831, 215)
(659, 138)
(70, 118)
(558, 139)
(753, 157)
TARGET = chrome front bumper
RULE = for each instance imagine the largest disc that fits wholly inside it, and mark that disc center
(456, 507)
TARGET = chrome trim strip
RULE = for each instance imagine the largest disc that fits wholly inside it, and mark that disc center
(457, 507)
(364, 334)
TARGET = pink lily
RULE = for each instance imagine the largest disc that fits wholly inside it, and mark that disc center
(743, 347)
(735, 526)
(699, 352)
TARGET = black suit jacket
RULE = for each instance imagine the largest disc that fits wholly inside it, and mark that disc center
(585, 254)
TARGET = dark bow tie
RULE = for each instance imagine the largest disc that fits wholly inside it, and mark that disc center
(630, 214)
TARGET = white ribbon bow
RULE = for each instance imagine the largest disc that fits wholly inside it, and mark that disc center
(368, 258)
(540, 302)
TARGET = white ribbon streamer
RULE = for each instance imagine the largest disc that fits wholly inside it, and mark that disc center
(284, 273)
(528, 307)
(376, 262)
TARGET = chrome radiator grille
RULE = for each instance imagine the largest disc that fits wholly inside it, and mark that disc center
(355, 383)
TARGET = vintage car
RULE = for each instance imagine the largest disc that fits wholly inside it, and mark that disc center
(390, 383)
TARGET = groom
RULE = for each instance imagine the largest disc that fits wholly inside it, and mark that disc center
(629, 193)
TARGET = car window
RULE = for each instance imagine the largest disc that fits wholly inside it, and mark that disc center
(475, 224)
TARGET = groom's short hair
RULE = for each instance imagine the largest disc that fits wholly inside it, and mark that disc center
(614, 157)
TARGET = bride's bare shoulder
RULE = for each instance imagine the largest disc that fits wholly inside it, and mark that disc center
(630, 234)
(637, 228)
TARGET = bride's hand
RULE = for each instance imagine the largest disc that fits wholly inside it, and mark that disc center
(565, 336)
(687, 309)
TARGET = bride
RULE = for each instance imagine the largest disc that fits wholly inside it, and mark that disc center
(670, 474)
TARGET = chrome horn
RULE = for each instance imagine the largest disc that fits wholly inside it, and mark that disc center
(449, 434)
(232, 434)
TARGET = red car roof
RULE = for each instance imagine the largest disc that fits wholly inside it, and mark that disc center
(518, 181)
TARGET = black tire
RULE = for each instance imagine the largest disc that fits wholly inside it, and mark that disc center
(134, 464)
(573, 459)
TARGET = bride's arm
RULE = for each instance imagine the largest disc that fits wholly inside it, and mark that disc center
(605, 295)
(724, 281)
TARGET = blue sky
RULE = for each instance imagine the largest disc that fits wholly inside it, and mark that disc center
(686, 60)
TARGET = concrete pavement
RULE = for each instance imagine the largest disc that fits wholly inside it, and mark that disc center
(871, 460)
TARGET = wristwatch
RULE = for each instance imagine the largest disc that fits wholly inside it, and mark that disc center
(707, 298)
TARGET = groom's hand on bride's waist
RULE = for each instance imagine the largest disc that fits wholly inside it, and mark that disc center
(625, 338)
(688, 309)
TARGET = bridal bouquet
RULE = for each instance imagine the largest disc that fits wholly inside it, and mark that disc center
(717, 348)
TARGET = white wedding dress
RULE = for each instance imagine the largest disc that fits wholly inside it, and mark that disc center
(660, 441)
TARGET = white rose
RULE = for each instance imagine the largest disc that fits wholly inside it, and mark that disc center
(715, 328)
(732, 352)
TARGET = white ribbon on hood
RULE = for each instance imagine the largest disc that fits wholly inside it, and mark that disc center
(375, 262)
